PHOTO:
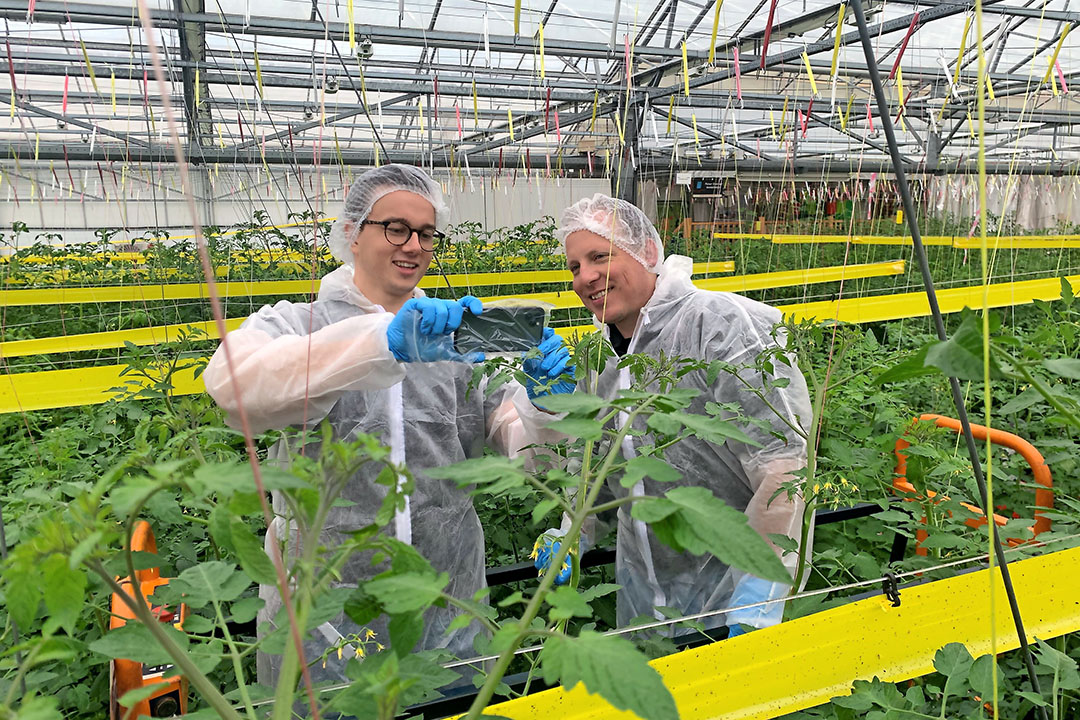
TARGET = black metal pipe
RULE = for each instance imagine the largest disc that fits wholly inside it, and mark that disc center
(939, 326)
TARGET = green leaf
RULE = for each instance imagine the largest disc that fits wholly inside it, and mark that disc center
(652, 510)
(704, 523)
(407, 592)
(566, 603)
(66, 588)
(954, 662)
(572, 403)
(493, 473)
(133, 641)
(648, 466)
(251, 553)
(981, 678)
(39, 708)
(913, 366)
(246, 609)
(665, 423)
(362, 607)
(961, 356)
(1023, 401)
(204, 583)
(1061, 665)
(714, 429)
(612, 667)
(582, 428)
(405, 631)
(133, 696)
(1065, 367)
(600, 590)
(22, 592)
(541, 509)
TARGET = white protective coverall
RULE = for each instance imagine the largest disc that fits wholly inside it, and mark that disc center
(419, 409)
(681, 320)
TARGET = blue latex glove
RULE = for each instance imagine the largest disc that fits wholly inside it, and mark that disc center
(737, 629)
(553, 364)
(547, 547)
(750, 590)
(423, 330)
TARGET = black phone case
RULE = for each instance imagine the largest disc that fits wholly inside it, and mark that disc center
(501, 329)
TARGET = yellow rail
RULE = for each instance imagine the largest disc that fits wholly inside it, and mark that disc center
(244, 288)
(805, 662)
(563, 299)
(1010, 242)
(68, 388)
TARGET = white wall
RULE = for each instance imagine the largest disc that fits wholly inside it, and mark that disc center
(143, 198)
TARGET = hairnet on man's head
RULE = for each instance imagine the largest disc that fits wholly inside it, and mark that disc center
(369, 188)
(620, 222)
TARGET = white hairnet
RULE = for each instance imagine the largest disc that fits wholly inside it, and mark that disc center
(618, 221)
(373, 185)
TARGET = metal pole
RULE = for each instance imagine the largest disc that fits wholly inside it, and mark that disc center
(939, 326)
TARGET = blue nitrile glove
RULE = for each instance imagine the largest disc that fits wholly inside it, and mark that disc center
(423, 330)
(547, 547)
(554, 363)
(750, 590)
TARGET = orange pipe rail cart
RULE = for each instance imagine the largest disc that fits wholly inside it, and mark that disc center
(170, 697)
(1044, 495)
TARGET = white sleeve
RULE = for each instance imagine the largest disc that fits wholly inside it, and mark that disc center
(279, 378)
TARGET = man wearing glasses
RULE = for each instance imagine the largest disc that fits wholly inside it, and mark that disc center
(373, 355)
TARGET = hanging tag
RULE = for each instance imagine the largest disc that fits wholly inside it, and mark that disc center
(626, 57)
(540, 37)
(832, 95)
(517, 17)
(903, 44)
(697, 138)
(63, 106)
(510, 122)
(547, 110)
(457, 115)
(836, 42)
(93, 139)
(685, 70)
(989, 88)
(1053, 59)
(1060, 74)
(715, 28)
(809, 73)
(352, 26)
(963, 49)
(558, 130)
(869, 116)
(378, 106)
(198, 88)
(738, 75)
(670, 114)
(89, 67)
(475, 107)
(595, 103)
(768, 32)
(652, 121)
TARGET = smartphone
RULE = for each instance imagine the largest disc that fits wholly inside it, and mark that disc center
(501, 329)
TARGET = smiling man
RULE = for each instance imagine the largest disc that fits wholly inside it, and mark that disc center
(645, 304)
(373, 355)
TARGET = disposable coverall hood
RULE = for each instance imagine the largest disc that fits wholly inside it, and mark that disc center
(681, 320)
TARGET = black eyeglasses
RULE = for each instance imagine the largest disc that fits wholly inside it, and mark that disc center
(399, 233)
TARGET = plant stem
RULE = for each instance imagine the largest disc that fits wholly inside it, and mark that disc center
(533, 608)
(238, 670)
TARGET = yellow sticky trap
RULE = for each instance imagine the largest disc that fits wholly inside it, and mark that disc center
(619, 128)
(12, 113)
(963, 47)
(198, 91)
(836, 43)
(595, 103)
(971, 125)
(352, 26)
(685, 70)
(783, 118)
(989, 88)
(847, 112)
(1054, 57)
(258, 74)
(670, 114)
(37, 145)
(900, 92)
(377, 163)
(517, 17)
(510, 122)
(899, 217)
(809, 73)
(697, 139)
(420, 109)
(715, 28)
(89, 67)
(1053, 80)
(772, 123)
(221, 140)
(475, 107)
(540, 33)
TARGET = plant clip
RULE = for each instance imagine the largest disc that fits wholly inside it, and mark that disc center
(890, 588)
